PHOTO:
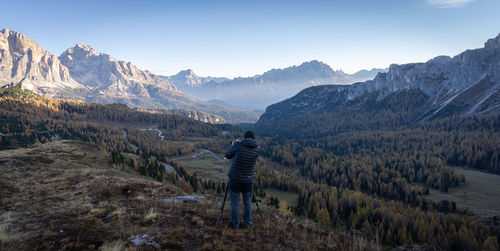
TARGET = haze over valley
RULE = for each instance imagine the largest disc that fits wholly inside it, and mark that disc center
(259, 91)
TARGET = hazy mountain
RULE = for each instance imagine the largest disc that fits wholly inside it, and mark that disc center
(187, 79)
(468, 83)
(259, 91)
(23, 60)
(364, 75)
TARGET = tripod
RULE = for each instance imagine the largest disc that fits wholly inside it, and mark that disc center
(221, 210)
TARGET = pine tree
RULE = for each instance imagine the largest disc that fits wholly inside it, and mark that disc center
(219, 189)
(282, 207)
(323, 217)
(491, 243)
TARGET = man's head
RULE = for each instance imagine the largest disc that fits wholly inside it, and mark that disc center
(249, 135)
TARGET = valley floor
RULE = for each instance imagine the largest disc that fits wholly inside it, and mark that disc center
(481, 193)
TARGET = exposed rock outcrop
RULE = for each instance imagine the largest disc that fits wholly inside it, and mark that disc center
(23, 60)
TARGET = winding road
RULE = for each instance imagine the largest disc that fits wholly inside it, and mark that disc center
(154, 129)
(202, 151)
(169, 168)
(133, 146)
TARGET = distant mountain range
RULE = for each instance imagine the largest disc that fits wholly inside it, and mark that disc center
(259, 91)
(466, 84)
(84, 74)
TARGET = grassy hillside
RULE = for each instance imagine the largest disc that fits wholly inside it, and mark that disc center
(67, 195)
(481, 194)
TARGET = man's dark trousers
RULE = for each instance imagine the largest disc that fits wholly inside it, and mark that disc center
(245, 188)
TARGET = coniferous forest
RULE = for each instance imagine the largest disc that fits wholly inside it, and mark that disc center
(368, 177)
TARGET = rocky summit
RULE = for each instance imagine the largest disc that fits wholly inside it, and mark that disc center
(109, 76)
(23, 60)
(85, 74)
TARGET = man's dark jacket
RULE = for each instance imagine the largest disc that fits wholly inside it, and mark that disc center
(245, 155)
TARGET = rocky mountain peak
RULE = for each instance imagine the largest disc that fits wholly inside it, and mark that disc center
(4, 32)
(23, 60)
(190, 72)
(440, 59)
(108, 75)
(18, 43)
(317, 65)
(186, 73)
(188, 78)
(493, 43)
(86, 48)
(308, 70)
(79, 51)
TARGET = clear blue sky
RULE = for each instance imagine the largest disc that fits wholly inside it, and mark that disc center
(243, 38)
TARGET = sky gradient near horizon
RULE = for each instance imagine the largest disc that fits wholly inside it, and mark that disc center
(244, 38)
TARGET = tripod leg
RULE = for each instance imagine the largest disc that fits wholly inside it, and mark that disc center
(257, 204)
(221, 210)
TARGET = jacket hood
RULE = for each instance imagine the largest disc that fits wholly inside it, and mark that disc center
(250, 143)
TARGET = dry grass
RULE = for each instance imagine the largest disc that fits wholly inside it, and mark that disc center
(151, 214)
(206, 167)
(83, 203)
(4, 234)
(139, 197)
(117, 245)
(119, 212)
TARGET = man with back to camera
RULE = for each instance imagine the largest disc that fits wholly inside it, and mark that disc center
(244, 154)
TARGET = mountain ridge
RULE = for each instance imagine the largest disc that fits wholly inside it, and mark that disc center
(84, 74)
(445, 80)
(102, 71)
(23, 60)
(261, 90)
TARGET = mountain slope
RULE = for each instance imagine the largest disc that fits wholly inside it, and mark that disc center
(117, 81)
(272, 86)
(197, 115)
(82, 201)
(23, 60)
(82, 73)
(109, 76)
(468, 83)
